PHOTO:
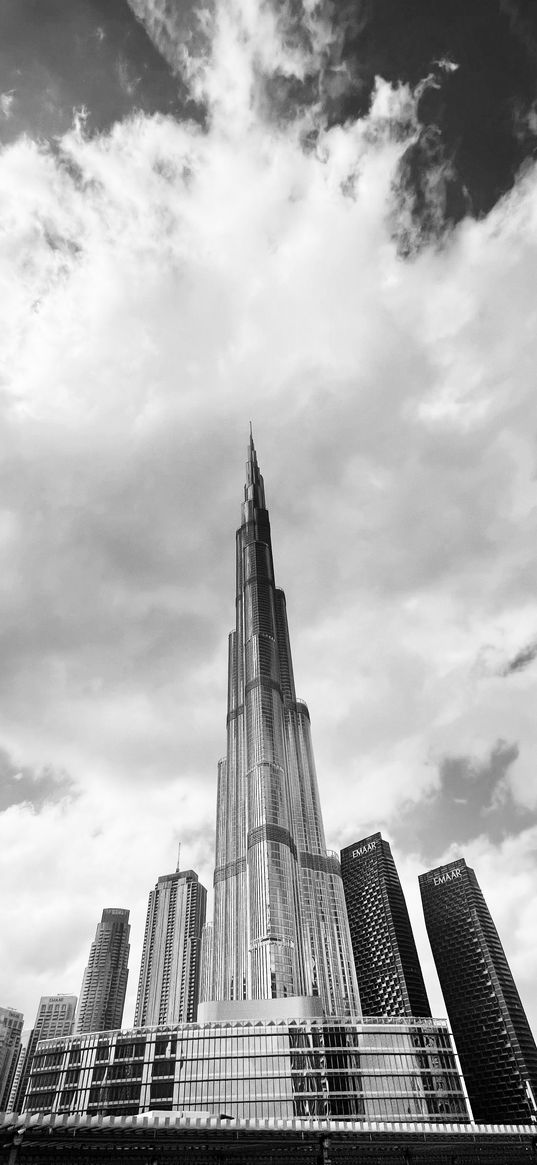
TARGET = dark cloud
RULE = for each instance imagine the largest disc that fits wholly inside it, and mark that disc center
(427, 193)
(476, 122)
(472, 68)
(470, 146)
(94, 55)
(21, 785)
(521, 660)
(180, 29)
(473, 799)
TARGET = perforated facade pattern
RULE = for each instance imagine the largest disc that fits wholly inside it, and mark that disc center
(493, 1038)
(389, 975)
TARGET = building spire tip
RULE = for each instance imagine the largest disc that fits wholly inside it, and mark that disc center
(254, 481)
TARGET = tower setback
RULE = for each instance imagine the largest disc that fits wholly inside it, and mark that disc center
(385, 955)
(280, 924)
(494, 1041)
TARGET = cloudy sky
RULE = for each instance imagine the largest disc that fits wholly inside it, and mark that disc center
(326, 222)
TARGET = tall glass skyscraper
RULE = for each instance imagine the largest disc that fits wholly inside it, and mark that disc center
(494, 1041)
(168, 988)
(104, 985)
(55, 1018)
(280, 924)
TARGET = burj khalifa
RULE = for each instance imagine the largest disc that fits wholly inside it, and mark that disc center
(280, 923)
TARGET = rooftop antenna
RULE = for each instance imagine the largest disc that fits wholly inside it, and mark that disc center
(178, 858)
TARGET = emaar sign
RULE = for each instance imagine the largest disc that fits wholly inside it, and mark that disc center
(364, 849)
(449, 876)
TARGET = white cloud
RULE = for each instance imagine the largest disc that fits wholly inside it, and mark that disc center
(506, 875)
(161, 285)
(6, 103)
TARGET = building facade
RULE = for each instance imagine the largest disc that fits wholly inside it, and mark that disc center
(11, 1024)
(104, 985)
(387, 965)
(19, 1069)
(389, 1071)
(494, 1041)
(206, 960)
(55, 1018)
(168, 988)
(280, 924)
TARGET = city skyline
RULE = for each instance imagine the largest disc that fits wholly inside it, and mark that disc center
(280, 949)
(162, 283)
(281, 1034)
(441, 1011)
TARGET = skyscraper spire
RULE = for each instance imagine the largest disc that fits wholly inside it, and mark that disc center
(280, 925)
(254, 490)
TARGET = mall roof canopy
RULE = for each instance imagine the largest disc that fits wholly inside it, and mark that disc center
(152, 1139)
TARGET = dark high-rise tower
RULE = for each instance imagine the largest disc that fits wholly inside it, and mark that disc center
(169, 976)
(102, 997)
(280, 924)
(495, 1045)
(385, 955)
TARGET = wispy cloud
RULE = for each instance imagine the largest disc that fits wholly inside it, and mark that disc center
(521, 660)
(21, 785)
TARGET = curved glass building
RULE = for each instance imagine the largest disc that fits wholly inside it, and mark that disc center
(393, 1071)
